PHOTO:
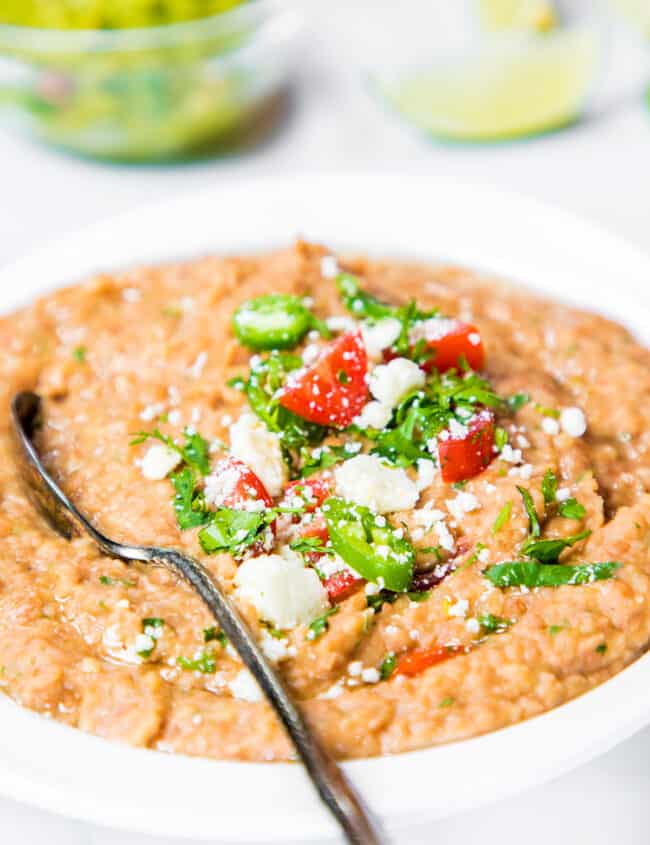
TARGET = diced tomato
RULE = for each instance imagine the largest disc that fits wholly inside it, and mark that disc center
(333, 390)
(414, 662)
(463, 341)
(342, 584)
(236, 485)
(316, 528)
(313, 491)
(464, 457)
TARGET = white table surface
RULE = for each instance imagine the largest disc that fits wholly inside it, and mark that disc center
(600, 169)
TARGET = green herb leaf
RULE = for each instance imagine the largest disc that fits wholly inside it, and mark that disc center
(320, 625)
(107, 581)
(152, 622)
(494, 624)
(213, 633)
(500, 438)
(189, 504)
(79, 354)
(231, 530)
(204, 663)
(388, 665)
(358, 302)
(503, 517)
(571, 509)
(447, 702)
(549, 487)
(322, 458)
(531, 573)
(549, 551)
(517, 401)
(602, 648)
(311, 545)
(534, 528)
(555, 629)
(418, 595)
(195, 451)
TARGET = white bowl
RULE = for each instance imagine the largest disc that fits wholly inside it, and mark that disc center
(81, 776)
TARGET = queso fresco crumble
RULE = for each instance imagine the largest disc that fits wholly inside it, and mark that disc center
(424, 490)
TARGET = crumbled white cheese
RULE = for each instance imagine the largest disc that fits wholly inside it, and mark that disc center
(445, 536)
(426, 474)
(150, 412)
(380, 336)
(333, 692)
(251, 442)
(370, 676)
(310, 353)
(390, 382)
(524, 471)
(196, 369)
(510, 455)
(367, 481)
(573, 422)
(473, 626)
(131, 294)
(462, 504)
(355, 668)
(434, 328)
(459, 609)
(373, 415)
(159, 461)
(244, 687)
(283, 591)
(143, 642)
(550, 426)
(174, 417)
(329, 267)
(275, 648)
(563, 494)
(341, 324)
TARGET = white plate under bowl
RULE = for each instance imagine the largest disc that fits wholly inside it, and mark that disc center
(65, 771)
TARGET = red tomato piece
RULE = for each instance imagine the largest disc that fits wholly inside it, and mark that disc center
(233, 484)
(313, 491)
(316, 528)
(462, 341)
(342, 584)
(463, 457)
(333, 390)
(414, 662)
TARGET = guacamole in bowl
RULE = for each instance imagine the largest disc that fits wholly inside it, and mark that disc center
(142, 80)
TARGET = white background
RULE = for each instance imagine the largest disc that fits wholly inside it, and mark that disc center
(600, 168)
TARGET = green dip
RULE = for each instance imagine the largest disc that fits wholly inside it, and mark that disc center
(108, 14)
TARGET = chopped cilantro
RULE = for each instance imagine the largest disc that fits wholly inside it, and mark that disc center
(549, 487)
(204, 663)
(388, 665)
(547, 412)
(321, 624)
(531, 573)
(555, 629)
(189, 503)
(447, 702)
(152, 622)
(194, 452)
(503, 517)
(549, 551)
(534, 528)
(310, 545)
(500, 438)
(494, 624)
(602, 648)
(316, 460)
(213, 633)
(418, 595)
(231, 530)
(107, 581)
(517, 401)
(571, 509)
(79, 354)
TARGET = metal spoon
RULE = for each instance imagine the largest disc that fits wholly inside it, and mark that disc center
(330, 782)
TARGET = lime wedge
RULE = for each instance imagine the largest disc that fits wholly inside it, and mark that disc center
(517, 86)
(533, 15)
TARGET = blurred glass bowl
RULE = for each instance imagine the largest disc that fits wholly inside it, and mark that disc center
(457, 72)
(149, 94)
